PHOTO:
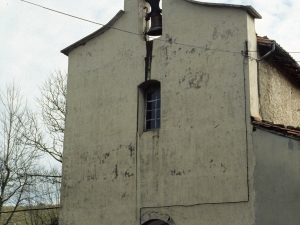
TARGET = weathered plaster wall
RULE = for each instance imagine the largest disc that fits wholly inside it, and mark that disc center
(99, 168)
(203, 140)
(276, 179)
(200, 151)
(279, 96)
(210, 214)
(200, 156)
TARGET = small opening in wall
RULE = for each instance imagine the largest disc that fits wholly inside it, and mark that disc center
(154, 19)
(149, 106)
(152, 109)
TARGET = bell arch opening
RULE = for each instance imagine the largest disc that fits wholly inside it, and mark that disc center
(154, 19)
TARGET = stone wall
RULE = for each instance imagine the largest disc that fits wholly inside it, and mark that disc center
(280, 96)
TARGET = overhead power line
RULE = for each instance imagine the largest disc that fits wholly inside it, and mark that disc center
(42, 175)
(287, 52)
(62, 13)
(170, 41)
(76, 17)
(27, 210)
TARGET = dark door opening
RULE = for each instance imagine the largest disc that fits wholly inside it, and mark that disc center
(155, 222)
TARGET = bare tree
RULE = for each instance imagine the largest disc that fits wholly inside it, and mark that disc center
(45, 197)
(47, 135)
(17, 158)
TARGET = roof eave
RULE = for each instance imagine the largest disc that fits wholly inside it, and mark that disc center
(278, 129)
(248, 8)
(103, 29)
(264, 43)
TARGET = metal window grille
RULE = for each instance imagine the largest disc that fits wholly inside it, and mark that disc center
(152, 117)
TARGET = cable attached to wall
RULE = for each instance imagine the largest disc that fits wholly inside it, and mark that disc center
(121, 30)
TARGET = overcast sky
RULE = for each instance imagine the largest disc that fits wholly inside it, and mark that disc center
(31, 37)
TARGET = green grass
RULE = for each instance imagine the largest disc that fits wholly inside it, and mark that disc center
(33, 217)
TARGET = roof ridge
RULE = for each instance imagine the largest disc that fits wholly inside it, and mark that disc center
(248, 8)
(104, 28)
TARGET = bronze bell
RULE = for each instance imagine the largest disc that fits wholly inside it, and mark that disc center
(156, 25)
(156, 18)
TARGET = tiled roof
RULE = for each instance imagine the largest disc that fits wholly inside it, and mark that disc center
(285, 62)
(279, 129)
(279, 57)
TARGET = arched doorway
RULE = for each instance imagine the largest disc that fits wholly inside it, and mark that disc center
(155, 218)
(155, 222)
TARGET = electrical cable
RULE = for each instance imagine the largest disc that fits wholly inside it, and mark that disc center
(27, 210)
(76, 17)
(169, 40)
(252, 58)
(287, 52)
(62, 13)
(41, 175)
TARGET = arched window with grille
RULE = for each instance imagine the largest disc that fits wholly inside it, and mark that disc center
(150, 94)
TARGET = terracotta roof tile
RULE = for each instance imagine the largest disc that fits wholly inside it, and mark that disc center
(279, 57)
(290, 132)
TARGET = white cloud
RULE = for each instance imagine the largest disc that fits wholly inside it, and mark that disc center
(4, 4)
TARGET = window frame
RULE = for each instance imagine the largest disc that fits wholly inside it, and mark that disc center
(153, 111)
(144, 88)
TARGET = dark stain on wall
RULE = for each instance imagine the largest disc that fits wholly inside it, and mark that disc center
(94, 157)
(291, 145)
(116, 171)
(224, 167)
(215, 33)
(106, 155)
(92, 177)
(131, 149)
(169, 39)
(178, 173)
(195, 79)
(127, 174)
